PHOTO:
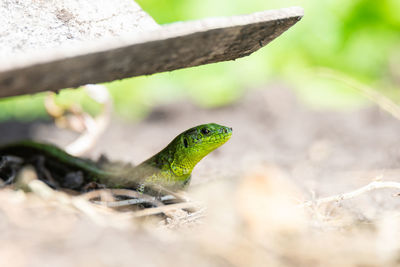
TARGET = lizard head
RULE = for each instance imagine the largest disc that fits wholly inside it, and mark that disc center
(194, 144)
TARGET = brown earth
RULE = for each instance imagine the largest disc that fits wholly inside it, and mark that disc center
(325, 152)
(270, 126)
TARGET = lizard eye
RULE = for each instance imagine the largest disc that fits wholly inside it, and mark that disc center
(185, 142)
(205, 131)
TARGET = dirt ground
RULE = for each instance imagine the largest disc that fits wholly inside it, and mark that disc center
(317, 148)
(320, 153)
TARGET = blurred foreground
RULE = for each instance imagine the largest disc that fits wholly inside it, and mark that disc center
(253, 193)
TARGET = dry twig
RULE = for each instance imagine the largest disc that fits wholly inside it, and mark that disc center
(165, 209)
(74, 118)
(137, 198)
(94, 126)
(133, 201)
(381, 100)
(367, 188)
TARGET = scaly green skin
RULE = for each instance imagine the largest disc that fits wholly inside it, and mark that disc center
(171, 168)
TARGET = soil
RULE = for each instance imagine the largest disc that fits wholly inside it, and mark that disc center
(319, 149)
(325, 152)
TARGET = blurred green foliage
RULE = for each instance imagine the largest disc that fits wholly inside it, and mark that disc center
(359, 38)
(23, 108)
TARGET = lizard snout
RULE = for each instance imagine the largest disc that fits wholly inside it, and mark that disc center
(226, 130)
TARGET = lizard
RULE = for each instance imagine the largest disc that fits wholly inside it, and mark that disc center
(170, 168)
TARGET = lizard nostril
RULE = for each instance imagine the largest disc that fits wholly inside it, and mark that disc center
(224, 130)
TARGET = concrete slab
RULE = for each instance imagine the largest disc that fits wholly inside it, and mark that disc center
(50, 45)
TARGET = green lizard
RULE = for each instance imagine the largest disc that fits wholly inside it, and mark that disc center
(170, 168)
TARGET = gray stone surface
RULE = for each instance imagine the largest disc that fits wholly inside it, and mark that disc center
(29, 26)
(50, 45)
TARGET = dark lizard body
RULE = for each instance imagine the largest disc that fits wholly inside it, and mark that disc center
(170, 168)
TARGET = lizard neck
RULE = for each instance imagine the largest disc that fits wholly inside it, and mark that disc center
(179, 165)
(182, 165)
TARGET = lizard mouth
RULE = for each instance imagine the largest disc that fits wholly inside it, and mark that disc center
(221, 137)
(226, 133)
